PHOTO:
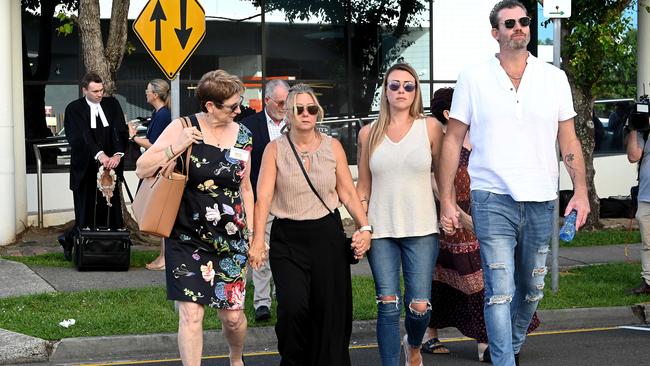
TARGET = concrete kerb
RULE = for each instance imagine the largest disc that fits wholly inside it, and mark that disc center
(17, 348)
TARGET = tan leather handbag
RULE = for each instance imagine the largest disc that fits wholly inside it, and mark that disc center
(158, 199)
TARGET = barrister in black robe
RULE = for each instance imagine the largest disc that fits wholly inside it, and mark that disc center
(96, 139)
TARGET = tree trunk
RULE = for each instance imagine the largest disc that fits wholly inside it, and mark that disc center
(583, 102)
(105, 61)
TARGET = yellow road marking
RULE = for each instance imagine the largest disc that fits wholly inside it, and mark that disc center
(367, 346)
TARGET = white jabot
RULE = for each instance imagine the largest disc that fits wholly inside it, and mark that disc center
(95, 110)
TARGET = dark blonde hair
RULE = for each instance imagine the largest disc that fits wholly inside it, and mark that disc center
(161, 88)
(217, 86)
(378, 129)
(291, 102)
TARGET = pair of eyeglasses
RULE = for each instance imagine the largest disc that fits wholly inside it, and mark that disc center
(523, 21)
(233, 107)
(280, 104)
(311, 109)
(394, 85)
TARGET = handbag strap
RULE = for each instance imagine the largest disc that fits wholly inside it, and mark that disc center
(172, 162)
(304, 173)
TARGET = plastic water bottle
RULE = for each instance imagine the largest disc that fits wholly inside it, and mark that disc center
(568, 230)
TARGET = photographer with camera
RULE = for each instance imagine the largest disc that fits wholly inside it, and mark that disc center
(638, 129)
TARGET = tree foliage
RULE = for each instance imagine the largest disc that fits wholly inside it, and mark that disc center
(592, 48)
(378, 33)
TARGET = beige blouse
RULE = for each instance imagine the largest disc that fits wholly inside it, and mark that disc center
(292, 198)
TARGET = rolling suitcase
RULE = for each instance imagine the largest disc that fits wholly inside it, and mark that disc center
(102, 248)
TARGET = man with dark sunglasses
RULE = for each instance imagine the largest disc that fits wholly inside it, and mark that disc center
(517, 107)
(265, 126)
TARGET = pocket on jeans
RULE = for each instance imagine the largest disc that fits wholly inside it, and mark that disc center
(480, 197)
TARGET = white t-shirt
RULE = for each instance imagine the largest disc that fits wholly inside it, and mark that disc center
(513, 131)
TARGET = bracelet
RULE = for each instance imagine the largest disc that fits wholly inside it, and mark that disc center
(168, 153)
(171, 150)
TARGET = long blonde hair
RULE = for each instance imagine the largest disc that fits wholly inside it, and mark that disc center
(378, 129)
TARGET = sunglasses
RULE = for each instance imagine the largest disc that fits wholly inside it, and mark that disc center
(280, 104)
(233, 107)
(394, 85)
(523, 21)
(311, 109)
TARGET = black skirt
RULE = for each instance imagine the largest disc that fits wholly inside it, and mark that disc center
(314, 291)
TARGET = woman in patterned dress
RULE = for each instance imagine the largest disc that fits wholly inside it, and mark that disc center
(457, 289)
(206, 253)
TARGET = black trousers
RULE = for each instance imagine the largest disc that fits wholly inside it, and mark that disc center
(314, 292)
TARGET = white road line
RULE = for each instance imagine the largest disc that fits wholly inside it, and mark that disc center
(646, 329)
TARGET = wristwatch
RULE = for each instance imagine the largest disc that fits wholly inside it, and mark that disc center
(366, 228)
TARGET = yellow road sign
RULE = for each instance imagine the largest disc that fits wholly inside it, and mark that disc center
(171, 30)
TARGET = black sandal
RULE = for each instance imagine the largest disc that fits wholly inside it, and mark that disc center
(435, 347)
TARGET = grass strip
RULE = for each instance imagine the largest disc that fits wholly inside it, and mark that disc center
(138, 259)
(146, 310)
(603, 237)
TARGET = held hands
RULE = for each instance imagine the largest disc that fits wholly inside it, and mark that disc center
(449, 218)
(258, 253)
(360, 243)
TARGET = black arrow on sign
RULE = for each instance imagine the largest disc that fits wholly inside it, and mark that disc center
(183, 34)
(157, 16)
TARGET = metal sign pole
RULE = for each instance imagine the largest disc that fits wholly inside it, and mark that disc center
(176, 97)
(555, 241)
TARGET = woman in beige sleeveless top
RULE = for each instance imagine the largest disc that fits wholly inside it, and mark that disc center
(308, 251)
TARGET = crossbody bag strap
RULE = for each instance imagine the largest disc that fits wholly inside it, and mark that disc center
(304, 172)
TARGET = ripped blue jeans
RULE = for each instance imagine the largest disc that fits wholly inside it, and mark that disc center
(417, 256)
(514, 238)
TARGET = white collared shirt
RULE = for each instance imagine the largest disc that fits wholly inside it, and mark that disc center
(513, 131)
(275, 130)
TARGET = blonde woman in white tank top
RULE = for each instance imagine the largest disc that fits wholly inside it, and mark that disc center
(396, 154)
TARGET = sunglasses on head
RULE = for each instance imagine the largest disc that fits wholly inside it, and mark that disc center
(233, 107)
(523, 21)
(394, 85)
(311, 109)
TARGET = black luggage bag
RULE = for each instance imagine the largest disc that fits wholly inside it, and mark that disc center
(102, 248)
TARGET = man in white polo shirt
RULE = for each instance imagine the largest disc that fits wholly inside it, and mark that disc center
(517, 107)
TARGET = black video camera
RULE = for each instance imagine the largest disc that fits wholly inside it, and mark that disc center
(639, 119)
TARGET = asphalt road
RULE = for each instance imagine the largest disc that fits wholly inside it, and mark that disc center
(604, 346)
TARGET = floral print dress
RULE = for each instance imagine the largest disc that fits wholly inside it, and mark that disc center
(206, 253)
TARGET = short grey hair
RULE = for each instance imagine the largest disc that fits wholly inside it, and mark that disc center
(504, 4)
(272, 84)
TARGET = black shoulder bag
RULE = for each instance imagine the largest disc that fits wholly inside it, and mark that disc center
(335, 213)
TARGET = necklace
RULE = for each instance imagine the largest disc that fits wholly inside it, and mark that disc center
(217, 140)
(304, 154)
(512, 77)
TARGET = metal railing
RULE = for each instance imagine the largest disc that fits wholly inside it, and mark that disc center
(39, 175)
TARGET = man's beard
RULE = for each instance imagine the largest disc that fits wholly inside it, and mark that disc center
(519, 43)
